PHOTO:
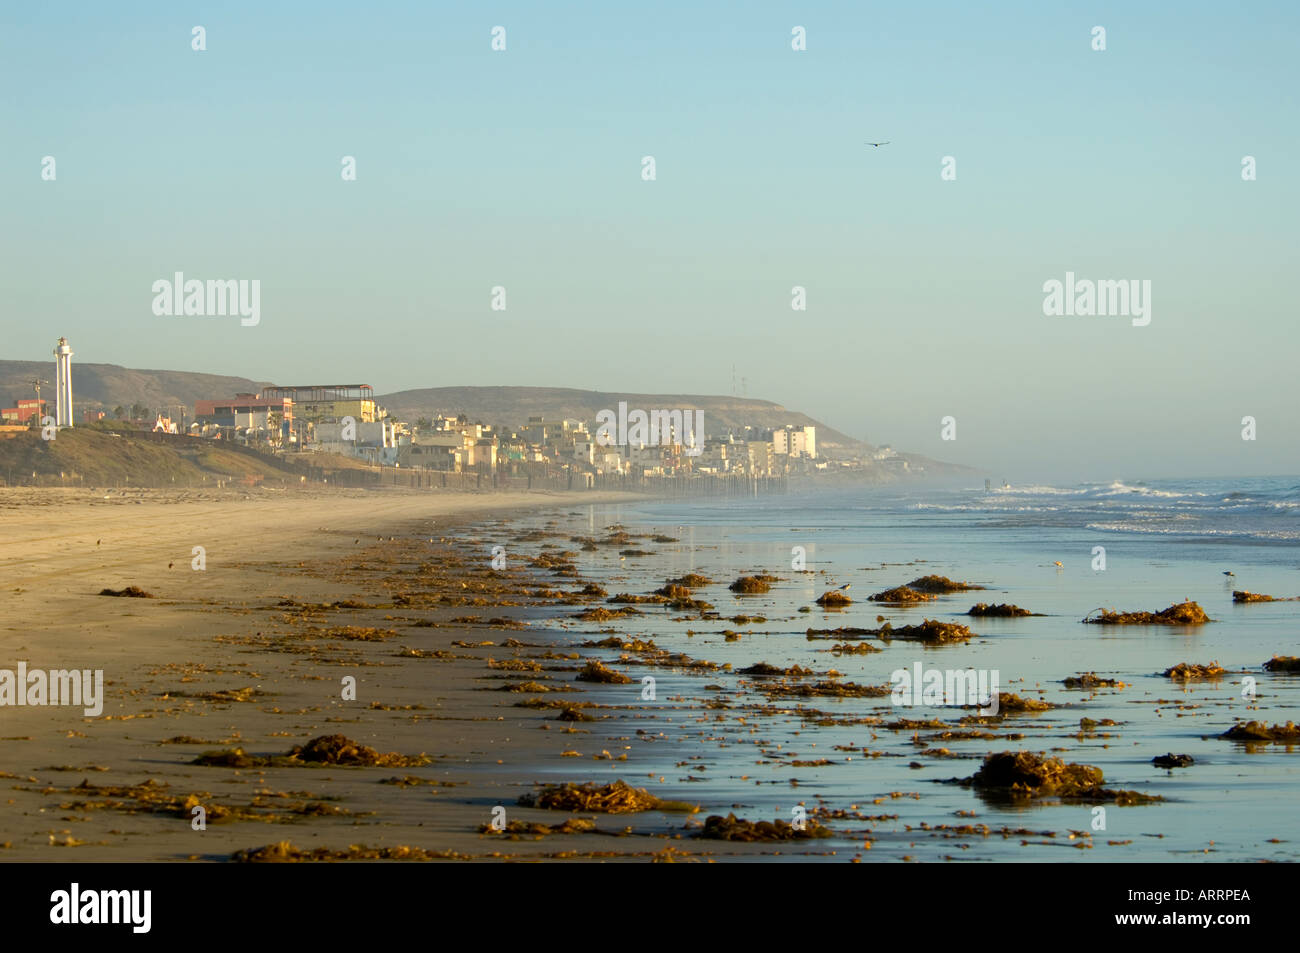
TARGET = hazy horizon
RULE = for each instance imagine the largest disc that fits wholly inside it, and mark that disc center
(522, 168)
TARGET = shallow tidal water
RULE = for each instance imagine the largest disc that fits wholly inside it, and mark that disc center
(1164, 542)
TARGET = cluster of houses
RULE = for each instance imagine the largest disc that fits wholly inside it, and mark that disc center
(345, 419)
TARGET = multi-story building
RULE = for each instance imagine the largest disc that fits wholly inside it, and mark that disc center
(330, 403)
(793, 441)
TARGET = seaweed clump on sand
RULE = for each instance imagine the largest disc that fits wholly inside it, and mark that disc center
(901, 595)
(595, 671)
(329, 750)
(1003, 610)
(516, 829)
(1260, 731)
(1181, 613)
(940, 585)
(750, 586)
(1023, 774)
(616, 798)
(1090, 680)
(132, 592)
(341, 750)
(733, 828)
(1187, 671)
(601, 614)
(1282, 663)
(284, 852)
(834, 598)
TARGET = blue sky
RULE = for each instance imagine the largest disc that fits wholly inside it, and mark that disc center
(522, 169)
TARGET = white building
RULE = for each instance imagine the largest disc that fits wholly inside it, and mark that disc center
(795, 442)
(63, 377)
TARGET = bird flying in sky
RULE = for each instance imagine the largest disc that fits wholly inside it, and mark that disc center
(877, 144)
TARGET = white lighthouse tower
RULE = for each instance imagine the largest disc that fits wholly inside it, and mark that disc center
(63, 380)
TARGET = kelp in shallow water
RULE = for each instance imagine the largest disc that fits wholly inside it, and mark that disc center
(1260, 731)
(930, 631)
(1090, 680)
(1023, 774)
(901, 595)
(940, 584)
(1003, 610)
(1239, 595)
(833, 598)
(1181, 613)
(1187, 671)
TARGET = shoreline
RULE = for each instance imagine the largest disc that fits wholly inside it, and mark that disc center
(488, 671)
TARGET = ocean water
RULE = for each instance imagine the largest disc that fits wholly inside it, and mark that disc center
(1164, 542)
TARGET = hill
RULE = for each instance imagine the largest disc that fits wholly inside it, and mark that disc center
(106, 386)
(91, 456)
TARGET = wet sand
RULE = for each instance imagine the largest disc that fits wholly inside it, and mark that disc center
(216, 659)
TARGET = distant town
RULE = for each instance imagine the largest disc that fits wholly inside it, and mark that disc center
(294, 421)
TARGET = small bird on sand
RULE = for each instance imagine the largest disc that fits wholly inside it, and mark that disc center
(170, 565)
(845, 587)
(98, 541)
(1058, 564)
(1226, 573)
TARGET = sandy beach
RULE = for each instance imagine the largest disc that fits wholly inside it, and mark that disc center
(250, 653)
(386, 674)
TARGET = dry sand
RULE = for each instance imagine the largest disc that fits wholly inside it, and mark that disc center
(220, 630)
